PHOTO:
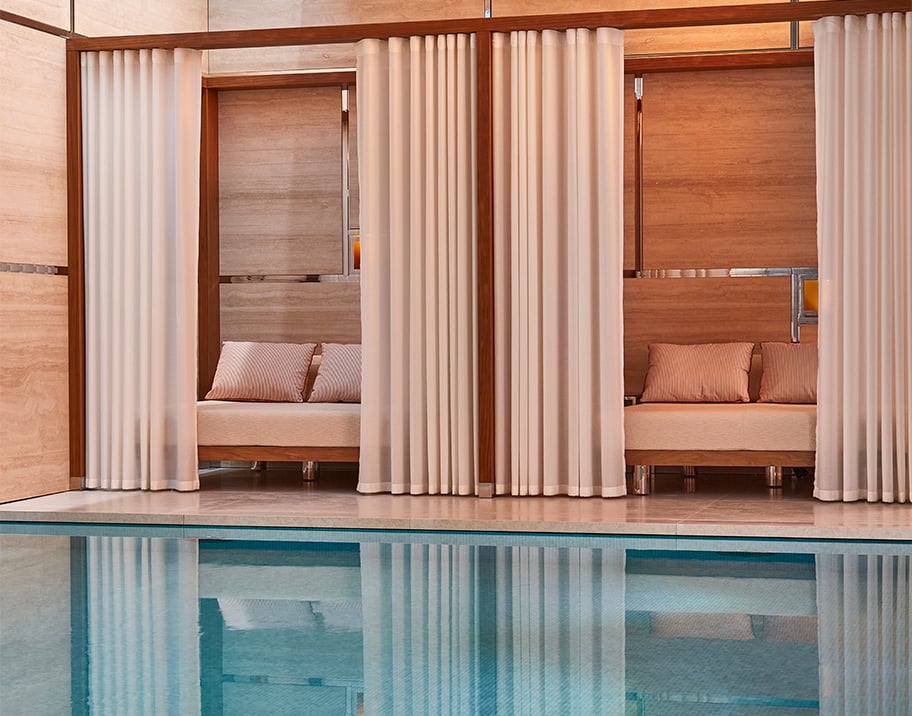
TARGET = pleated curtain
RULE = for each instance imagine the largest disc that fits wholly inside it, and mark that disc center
(141, 143)
(864, 616)
(143, 625)
(863, 72)
(416, 139)
(560, 631)
(558, 203)
(421, 630)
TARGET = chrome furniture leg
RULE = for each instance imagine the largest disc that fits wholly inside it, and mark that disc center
(773, 476)
(642, 479)
(690, 482)
(310, 470)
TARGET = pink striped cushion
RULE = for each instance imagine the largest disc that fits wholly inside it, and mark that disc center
(339, 378)
(789, 373)
(273, 372)
(701, 373)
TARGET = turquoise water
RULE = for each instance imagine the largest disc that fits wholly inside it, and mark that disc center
(107, 620)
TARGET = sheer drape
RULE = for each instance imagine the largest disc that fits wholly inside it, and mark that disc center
(143, 625)
(863, 69)
(560, 630)
(417, 170)
(558, 173)
(864, 613)
(421, 640)
(141, 134)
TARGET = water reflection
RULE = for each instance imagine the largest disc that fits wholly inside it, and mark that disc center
(452, 624)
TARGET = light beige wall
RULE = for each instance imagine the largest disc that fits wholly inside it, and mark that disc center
(50, 12)
(34, 444)
(140, 17)
(32, 146)
(280, 181)
(35, 644)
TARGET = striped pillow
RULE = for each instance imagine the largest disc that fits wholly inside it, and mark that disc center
(339, 378)
(701, 373)
(273, 372)
(789, 373)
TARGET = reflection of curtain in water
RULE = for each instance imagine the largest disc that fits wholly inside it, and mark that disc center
(864, 605)
(560, 638)
(421, 651)
(143, 629)
(456, 629)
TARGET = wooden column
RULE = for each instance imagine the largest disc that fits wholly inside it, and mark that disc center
(485, 265)
(208, 288)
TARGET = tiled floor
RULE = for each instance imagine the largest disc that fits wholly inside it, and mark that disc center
(721, 505)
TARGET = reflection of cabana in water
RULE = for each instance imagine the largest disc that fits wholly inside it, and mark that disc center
(496, 624)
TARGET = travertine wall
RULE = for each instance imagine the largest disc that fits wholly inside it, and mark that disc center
(34, 411)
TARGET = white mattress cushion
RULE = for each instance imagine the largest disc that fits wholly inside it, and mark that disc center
(720, 426)
(222, 422)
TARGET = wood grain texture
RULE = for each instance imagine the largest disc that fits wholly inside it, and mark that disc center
(50, 12)
(335, 78)
(267, 452)
(34, 418)
(242, 15)
(208, 274)
(133, 17)
(700, 310)
(33, 170)
(280, 181)
(354, 182)
(730, 169)
(291, 312)
(630, 149)
(722, 458)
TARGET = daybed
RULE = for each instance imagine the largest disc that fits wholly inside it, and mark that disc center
(259, 430)
(769, 434)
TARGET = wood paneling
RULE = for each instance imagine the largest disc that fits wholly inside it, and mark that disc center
(354, 182)
(292, 312)
(729, 169)
(630, 149)
(280, 179)
(50, 12)
(133, 17)
(730, 458)
(208, 274)
(34, 442)
(243, 15)
(700, 310)
(33, 198)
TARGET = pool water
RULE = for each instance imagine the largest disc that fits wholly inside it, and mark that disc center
(107, 620)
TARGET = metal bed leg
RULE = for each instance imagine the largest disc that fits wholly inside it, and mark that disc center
(309, 470)
(642, 479)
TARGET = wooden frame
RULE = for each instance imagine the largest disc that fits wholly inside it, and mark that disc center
(721, 458)
(233, 39)
(282, 454)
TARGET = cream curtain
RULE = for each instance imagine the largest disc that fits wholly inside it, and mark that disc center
(421, 629)
(558, 173)
(560, 630)
(863, 69)
(864, 613)
(141, 133)
(417, 170)
(143, 625)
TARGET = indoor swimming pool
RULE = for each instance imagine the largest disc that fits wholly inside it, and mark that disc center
(154, 620)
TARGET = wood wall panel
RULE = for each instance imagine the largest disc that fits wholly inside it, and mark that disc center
(292, 312)
(140, 17)
(629, 172)
(244, 15)
(704, 310)
(35, 603)
(280, 181)
(658, 41)
(50, 12)
(33, 197)
(354, 183)
(729, 169)
(34, 420)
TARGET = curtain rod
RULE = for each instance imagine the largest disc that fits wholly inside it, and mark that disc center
(620, 19)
